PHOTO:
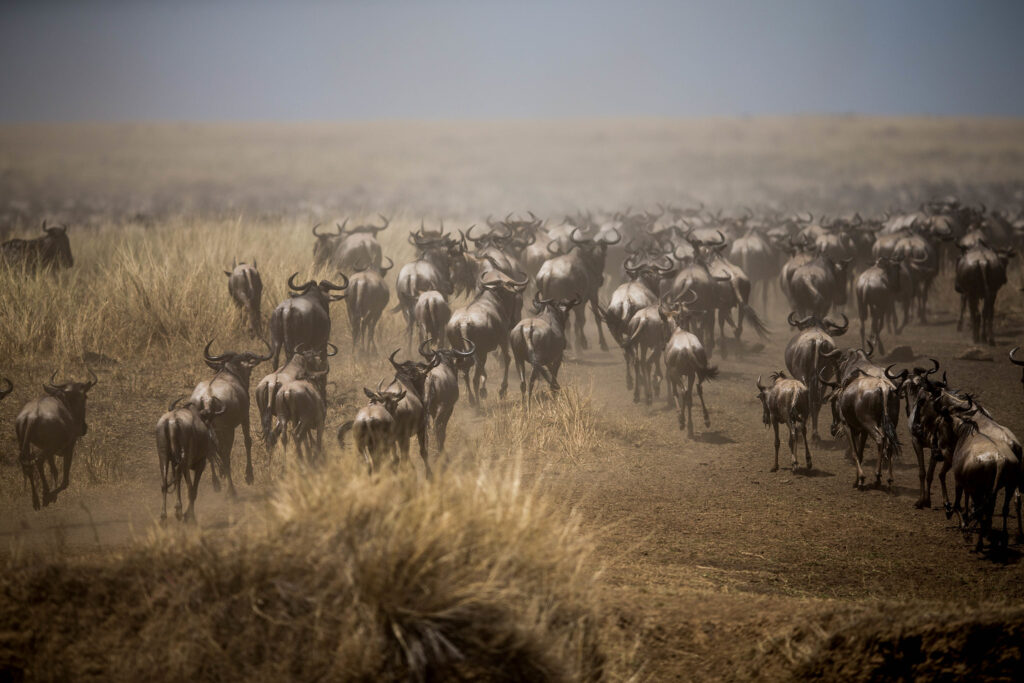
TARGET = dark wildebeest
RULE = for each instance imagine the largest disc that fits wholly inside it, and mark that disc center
(366, 299)
(818, 285)
(50, 426)
(304, 318)
(185, 442)
(808, 353)
(980, 272)
(685, 358)
(758, 258)
(581, 271)
(878, 288)
(52, 250)
(432, 270)
(228, 389)
(246, 289)
(304, 364)
(486, 322)
(786, 400)
(348, 248)
(301, 408)
(432, 313)
(374, 426)
(867, 406)
(411, 414)
(441, 388)
(540, 341)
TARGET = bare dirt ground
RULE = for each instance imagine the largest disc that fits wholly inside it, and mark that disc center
(707, 553)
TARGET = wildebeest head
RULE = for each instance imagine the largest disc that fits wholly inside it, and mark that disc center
(456, 358)
(57, 246)
(325, 244)
(413, 372)
(762, 394)
(4, 392)
(72, 395)
(389, 399)
(321, 291)
(831, 327)
(560, 307)
(238, 363)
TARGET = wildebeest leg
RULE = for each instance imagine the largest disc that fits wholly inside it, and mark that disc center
(638, 374)
(247, 440)
(975, 319)
(775, 426)
(521, 371)
(1007, 495)
(193, 490)
(469, 386)
(648, 370)
(66, 457)
(703, 407)
(963, 305)
(581, 319)
(371, 325)
(225, 440)
(688, 397)
(987, 315)
(441, 425)
(506, 360)
(946, 464)
(857, 445)
(675, 394)
(792, 442)
(628, 354)
(597, 320)
(722, 315)
(807, 449)
(28, 471)
(480, 377)
(1020, 520)
(658, 376)
(924, 500)
(43, 484)
(421, 437)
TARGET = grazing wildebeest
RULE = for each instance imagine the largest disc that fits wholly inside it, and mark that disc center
(374, 426)
(366, 299)
(441, 388)
(229, 388)
(980, 272)
(348, 248)
(306, 363)
(685, 358)
(867, 406)
(808, 353)
(432, 313)
(786, 400)
(581, 271)
(982, 468)
(540, 341)
(52, 250)
(246, 289)
(304, 318)
(486, 321)
(185, 442)
(878, 288)
(50, 426)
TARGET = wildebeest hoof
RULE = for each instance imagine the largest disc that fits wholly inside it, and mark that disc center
(949, 510)
(502, 392)
(707, 422)
(216, 485)
(629, 384)
(248, 477)
(604, 346)
(231, 493)
(774, 469)
(483, 392)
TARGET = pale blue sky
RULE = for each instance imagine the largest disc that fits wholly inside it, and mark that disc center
(233, 60)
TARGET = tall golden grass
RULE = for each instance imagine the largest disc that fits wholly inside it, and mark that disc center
(341, 577)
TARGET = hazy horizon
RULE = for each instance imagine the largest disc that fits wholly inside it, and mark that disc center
(490, 61)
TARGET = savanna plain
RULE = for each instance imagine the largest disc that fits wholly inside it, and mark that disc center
(588, 538)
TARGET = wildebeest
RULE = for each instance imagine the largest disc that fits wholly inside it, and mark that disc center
(867, 406)
(685, 357)
(540, 341)
(640, 291)
(348, 248)
(301, 410)
(646, 334)
(441, 388)
(818, 285)
(980, 272)
(229, 389)
(304, 364)
(982, 468)
(878, 289)
(304, 318)
(374, 426)
(432, 270)
(579, 272)
(411, 413)
(808, 353)
(50, 426)
(486, 322)
(366, 299)
(185, 442)
(246, 289)
(758, 258)
(432, 313)
(787, 401)
(52, 250)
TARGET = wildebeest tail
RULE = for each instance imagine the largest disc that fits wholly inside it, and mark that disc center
(707, 372)
(888, 427)
(171, 450)
(342, 430)
(755, 320)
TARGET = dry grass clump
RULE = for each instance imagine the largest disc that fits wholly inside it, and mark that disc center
(563, 425)
(343, 578)
(900, 643)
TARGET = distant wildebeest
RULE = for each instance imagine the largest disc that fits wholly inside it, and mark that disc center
(640, 291)
(758, 258)
(432, 313)
(50, 426)
(787, 401)
(228, 389)
(304, 318)
(441, 388)
(818, 285)
(581, 271)
(808, 353)
(980, 273)
(185, 442)
(246, 289)
(348, 248)
(685, 357)
(486, 322)
(366, 300)
(432, 270)
(52, 250)
(540, 341)
(878, 288)
(646, 334)
(374, 426)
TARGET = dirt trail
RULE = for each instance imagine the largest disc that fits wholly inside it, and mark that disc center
(707, 551)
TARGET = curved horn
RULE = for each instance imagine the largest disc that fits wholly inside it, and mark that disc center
(572, 236)
(330, 286)
(387, 222)
(341, 228)
(893, 377)
(270, 350)
(173, 405)
(760, 387)
(870, 351)
(384, 270)
(618, 238)
(1013, 352)
(465, 354)
(301, 289)
(837, 329)
(424, 348)
(316, 234)
(51, 383)
(557, 251)
(208, 357)
(392, 359)
(520, 283)
(329, 347)
(92, 379)
(469, 235)
(687, 302)
(935, 367)
(791, 319)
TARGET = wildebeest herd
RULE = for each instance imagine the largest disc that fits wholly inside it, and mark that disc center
(683, 273)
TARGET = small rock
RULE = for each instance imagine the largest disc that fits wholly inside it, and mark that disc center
(901, 354)
(975, 353)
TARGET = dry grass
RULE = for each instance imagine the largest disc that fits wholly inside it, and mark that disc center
(345, 578)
